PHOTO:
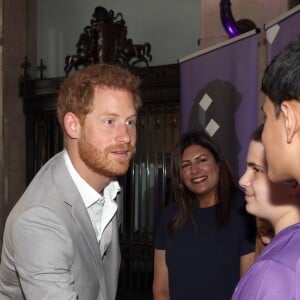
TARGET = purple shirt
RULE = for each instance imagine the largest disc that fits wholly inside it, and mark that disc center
(276, 273)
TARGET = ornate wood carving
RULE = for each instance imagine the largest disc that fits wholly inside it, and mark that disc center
(105, 41)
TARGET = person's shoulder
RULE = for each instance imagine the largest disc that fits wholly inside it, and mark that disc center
(40, 192)
(259, 281)
(287, 244)
(45, 174)
(169, 211)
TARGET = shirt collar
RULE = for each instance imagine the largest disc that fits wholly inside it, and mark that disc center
(110, 192)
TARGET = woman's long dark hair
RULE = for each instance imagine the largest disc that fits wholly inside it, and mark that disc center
(186, 200)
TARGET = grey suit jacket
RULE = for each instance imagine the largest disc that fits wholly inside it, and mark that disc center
(50, 250)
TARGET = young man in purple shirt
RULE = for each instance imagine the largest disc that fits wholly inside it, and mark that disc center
(275, 274)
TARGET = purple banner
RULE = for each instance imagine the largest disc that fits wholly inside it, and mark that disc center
(282, 30)
(219, 93)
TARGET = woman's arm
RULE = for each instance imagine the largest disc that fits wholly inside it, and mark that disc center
(161, 277)
(245, 262)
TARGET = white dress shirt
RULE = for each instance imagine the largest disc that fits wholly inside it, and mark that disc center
(101, 208)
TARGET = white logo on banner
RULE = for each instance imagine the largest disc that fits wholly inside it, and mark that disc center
(272, 33)
(212, 125)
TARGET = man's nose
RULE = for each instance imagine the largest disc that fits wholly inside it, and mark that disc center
(244, 180)
(123, 134)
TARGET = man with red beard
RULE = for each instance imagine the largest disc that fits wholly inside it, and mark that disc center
(61, 238)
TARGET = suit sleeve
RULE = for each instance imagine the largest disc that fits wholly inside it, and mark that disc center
(43, 255)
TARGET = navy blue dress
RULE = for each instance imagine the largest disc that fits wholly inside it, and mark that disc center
(204, 263)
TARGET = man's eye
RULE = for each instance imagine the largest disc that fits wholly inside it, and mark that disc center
(131, 122)
(256, 170)
(259, 170)
(109, 121)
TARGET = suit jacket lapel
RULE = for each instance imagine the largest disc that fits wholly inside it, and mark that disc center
(78, 210)
(83, 221)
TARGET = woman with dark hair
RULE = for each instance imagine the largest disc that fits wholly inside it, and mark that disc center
(205, 240)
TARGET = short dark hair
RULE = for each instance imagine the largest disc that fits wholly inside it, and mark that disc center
(281, 79)
(257, 133)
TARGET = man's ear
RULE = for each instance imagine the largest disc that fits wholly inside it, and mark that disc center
(291, 121)
(72, 125)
